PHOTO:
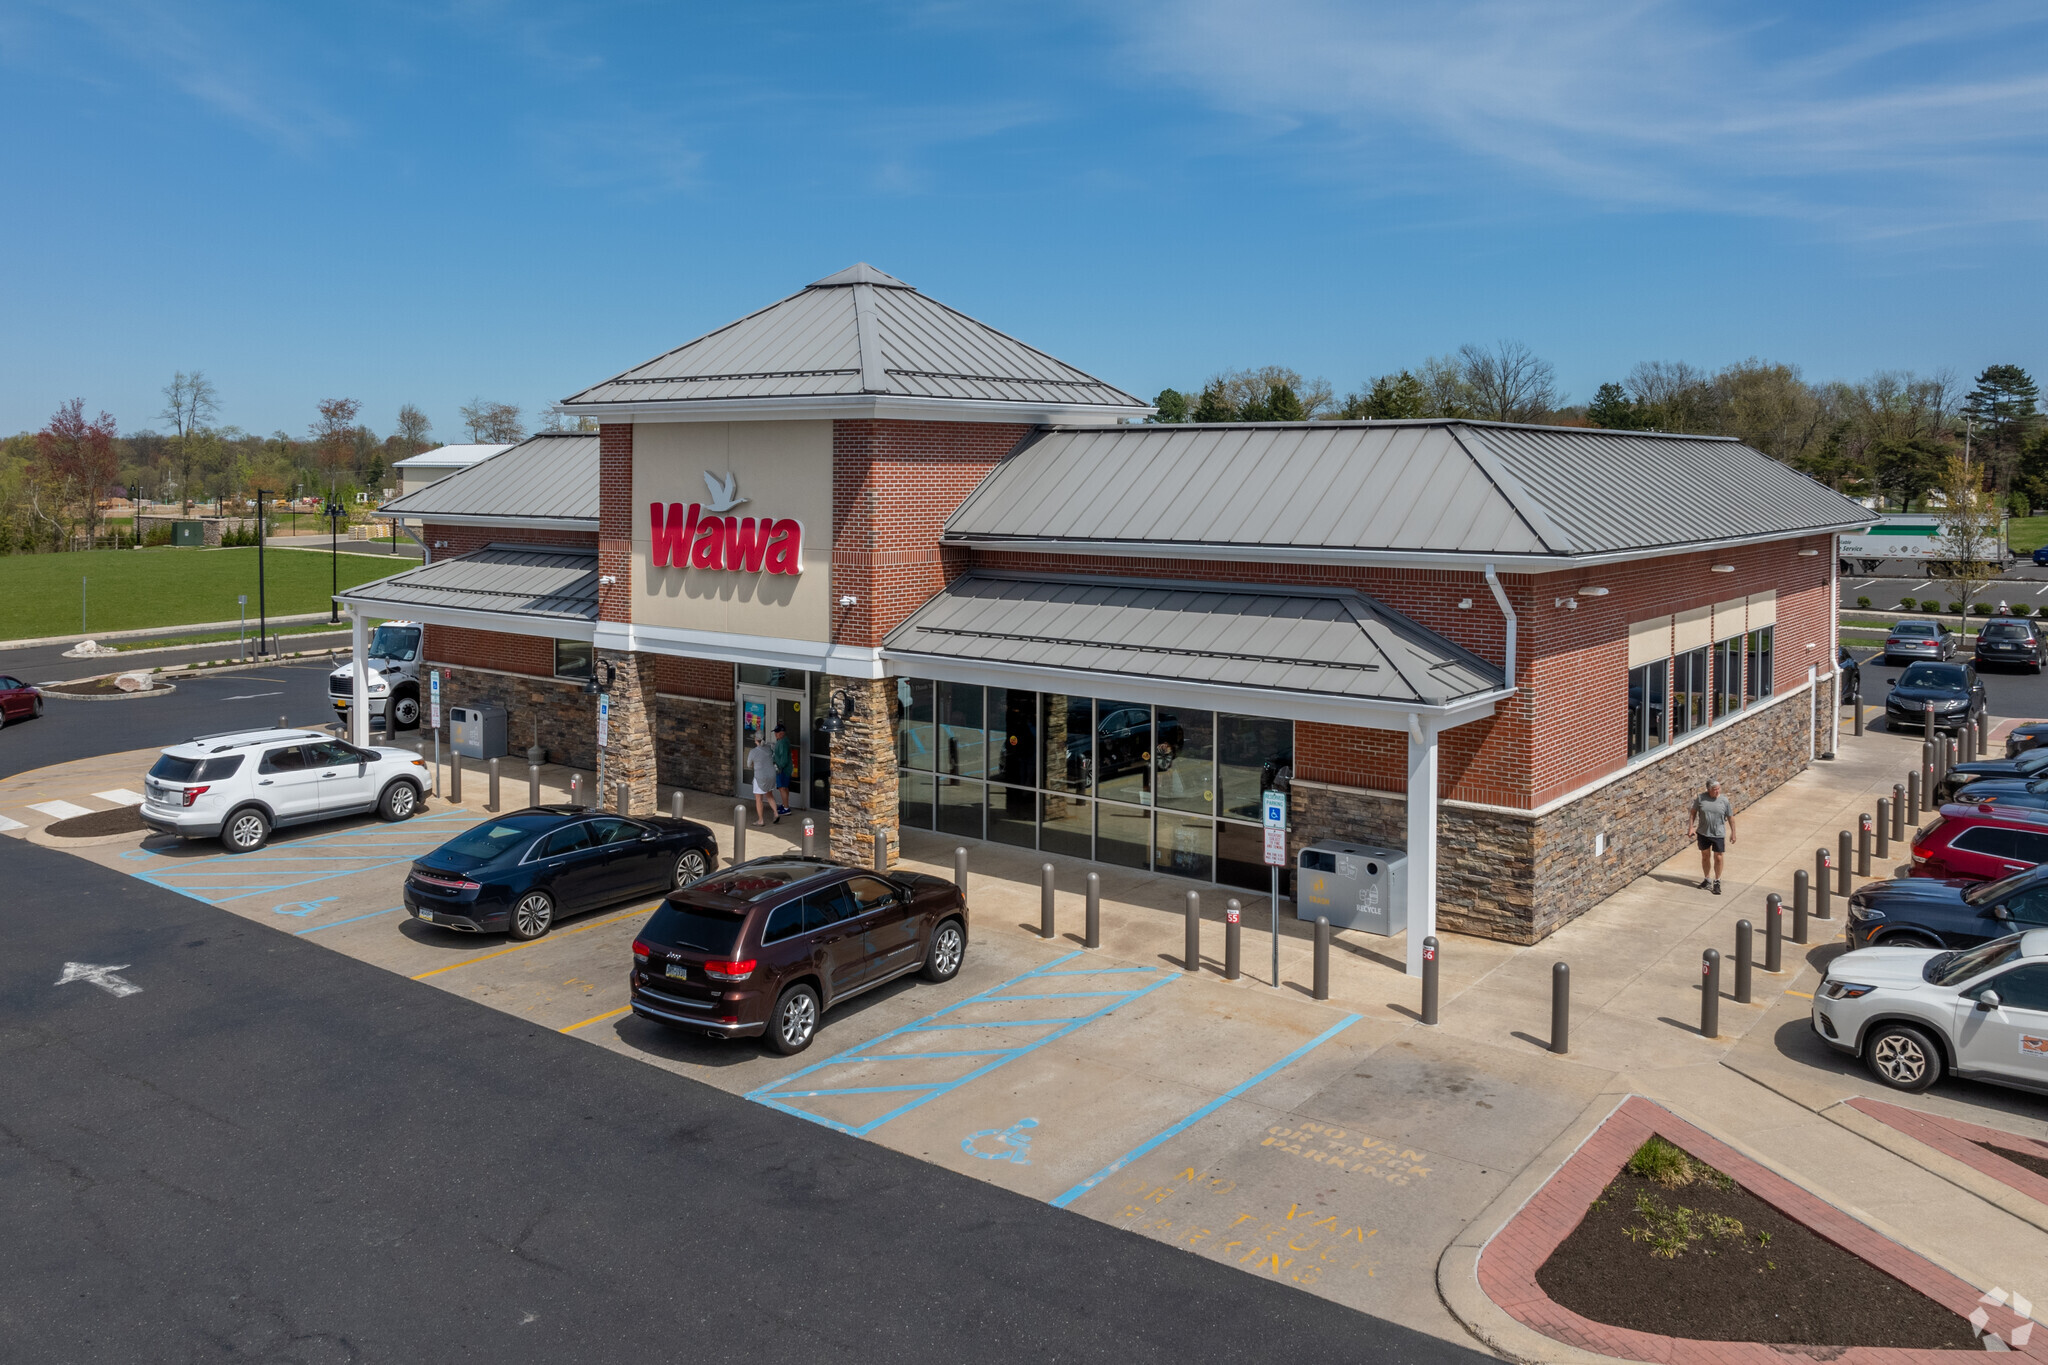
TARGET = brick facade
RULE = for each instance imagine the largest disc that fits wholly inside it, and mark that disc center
(445, 541)
(615, 521)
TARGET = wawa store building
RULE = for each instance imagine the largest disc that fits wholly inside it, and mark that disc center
(987, 600)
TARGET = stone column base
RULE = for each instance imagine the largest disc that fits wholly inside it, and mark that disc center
(864, 769)
(626, 763)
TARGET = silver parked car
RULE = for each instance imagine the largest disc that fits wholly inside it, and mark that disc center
(1913, 1013)
(1919, 640)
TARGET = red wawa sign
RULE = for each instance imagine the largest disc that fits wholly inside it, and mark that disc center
(690, 537)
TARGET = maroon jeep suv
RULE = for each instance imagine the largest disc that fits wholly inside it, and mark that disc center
(768, 946)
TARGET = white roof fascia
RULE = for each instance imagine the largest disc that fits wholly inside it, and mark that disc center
(465, 519)
(504, 622)
(768, 651)
(1254, 701)
(1410, 559)
(870, 405)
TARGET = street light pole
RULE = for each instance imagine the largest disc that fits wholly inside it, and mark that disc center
(262, 607)
(333, 562)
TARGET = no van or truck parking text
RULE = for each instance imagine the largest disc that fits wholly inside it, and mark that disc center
(1300, 1246)
(1344, 1151)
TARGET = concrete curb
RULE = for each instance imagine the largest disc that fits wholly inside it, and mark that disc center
(153, 630)
(156, 689)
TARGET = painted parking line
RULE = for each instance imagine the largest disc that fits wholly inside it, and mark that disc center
(597, 1019)
(1198, 1115)
(120, 796)
(60, 810)
(1801, 994)
(780, 1094)
(351, 920)
(7, 824)
(522, 947)
(222, 877)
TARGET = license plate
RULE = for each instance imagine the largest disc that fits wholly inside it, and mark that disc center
(341, 706)
(427, 915)
(681, 969)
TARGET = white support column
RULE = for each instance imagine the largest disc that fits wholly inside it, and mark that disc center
(359, 702)
(1422, 771)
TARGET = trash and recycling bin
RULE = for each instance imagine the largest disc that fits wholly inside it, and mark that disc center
(1358, 886)
(477, 731)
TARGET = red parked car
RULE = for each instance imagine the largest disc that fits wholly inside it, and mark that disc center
(18, 701)
(1981, 842)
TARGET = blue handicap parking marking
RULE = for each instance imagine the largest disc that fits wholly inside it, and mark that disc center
(302, 908)
(1011, 1144)
(1053, 1015)
(289, 866)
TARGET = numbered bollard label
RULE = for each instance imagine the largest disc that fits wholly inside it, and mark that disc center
(1232, 914)
(1429, 954)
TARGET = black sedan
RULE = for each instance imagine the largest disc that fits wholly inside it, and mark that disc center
(2028, 792)
(2028, 734)
(1954, 689)
(2031, 763)
(523, 871)
(1922, 912)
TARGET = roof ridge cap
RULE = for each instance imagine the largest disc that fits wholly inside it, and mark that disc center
(1518, 497)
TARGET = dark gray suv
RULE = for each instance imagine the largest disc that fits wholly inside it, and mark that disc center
(2012, 640)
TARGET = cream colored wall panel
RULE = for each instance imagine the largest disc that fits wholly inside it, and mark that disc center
(1649, 641)
(1695, 627)
(1763, 609)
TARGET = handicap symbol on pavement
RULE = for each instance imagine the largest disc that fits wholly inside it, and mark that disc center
(1015, 1143)
(302, 908)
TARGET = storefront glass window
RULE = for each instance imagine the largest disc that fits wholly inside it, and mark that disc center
(1013, 736)
(1251, 754)
(1123, 834)
(914, 738)
(821, 745)
(1013, 816)
(960, 802)
(1186, 845)
(1184, 766)
(1728, 676)
(1760, 642)
(960, 751)
(754, 675)
(1689, 691)
(1646, 708)
(1067, 826)
(572, 659)
(1123, 752)
(1069, 742)
(914, 799)
(1241, 857)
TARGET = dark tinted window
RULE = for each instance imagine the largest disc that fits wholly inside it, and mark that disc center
(1990, 840)
(2030, 907)
(2007, 630)
(1905, 628)
(756, 880)
(869, 892)
(11, 684)
(567, 840)
(829, 906)
(783, 921)
(2023, 988)
(495, 837)
(612, 830)
(290, 760)
(215, 769)
(716, 932)
(170, 769)
(328, 753)
(1933, 675)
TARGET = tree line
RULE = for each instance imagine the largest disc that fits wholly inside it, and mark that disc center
(1888, 437)
(55, 483)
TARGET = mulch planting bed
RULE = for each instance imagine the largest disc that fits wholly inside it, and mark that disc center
(120, 820)
(96, 687)
(1676, 1248)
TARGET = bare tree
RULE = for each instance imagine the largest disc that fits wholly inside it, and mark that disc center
(1509, 383)
(413, 429)
(558, 421)
(334, 440)
(1971, 523)
(493, 422)
(1251, 388)
(1445, 392)
(190, 404)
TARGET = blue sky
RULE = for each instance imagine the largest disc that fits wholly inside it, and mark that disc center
(429, 202)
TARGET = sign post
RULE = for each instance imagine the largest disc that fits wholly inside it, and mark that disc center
(604, 720)
(242, 601)
(434, 721)
(1274, 805)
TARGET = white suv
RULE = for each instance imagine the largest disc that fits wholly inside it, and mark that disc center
(1912, 1013)
(239, 786)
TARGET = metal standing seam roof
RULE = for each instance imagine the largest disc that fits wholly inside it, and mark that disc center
(1335, 644)
(857, 332)
(550, 477)
(453, 456)
(521, 580)
(1423, 487)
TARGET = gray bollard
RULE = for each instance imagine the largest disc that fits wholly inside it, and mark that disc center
(675, 806)
(1429, 983)
(576, 789)
(959, 863)
(1863, 833)
(1983, 739)
(1801, 896)
(739, 835)
(1321, 990)
(533, 784)
(1561, 1008)
(1045, 903)
(454, 777)
(1191, 939)
(1821, 884)
(880, 834)
(1927, 723)
(1856, 705)
(1774, 933)
(1710, 994)
(622, 798)
(1233, 936)
(1912, 800)
(1898, 812)
(810, 837)
(1885, 815)
(1092, 936)
(1842, 864)
(492, 805)
(1744, 947)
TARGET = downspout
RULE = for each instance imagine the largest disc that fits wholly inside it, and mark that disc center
(426, 554)
(1509, 612)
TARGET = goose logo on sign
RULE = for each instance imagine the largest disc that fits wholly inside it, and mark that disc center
(701, 537)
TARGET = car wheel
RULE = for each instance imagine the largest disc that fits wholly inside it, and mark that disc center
(690, 865)
(533, 916)
(1905, 940)
(405, 710)
(401, 801)
(949, 947)
(1902, 1057)
(795, 1021)
(245, 831)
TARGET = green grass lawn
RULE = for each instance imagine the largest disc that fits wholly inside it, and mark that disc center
(138, 589)
(2024, 535)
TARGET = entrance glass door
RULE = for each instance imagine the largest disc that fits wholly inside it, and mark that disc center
(761, 709)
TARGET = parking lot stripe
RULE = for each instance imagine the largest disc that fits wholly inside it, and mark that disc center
(120, 796)
(1801, 994)
(6, 824)
(1211, 1107)
(350, 920)
(598, 1018)
(60, 810)
(535, 943)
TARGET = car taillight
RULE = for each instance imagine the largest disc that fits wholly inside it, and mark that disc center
(194, 793)
(641, 952)
(730, 971)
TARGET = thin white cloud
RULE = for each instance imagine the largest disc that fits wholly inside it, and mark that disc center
(1884, 123)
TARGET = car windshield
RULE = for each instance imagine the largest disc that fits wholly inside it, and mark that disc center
(2032, 761)
(1932, 675)
(704, 928)
(1990, 893)
(1949, 969)
(396, 642)
(1913, 628)
(494, 838)
(756, 880)
(2005, 630)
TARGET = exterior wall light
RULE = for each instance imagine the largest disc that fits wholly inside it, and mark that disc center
(1592, 592)
(606, 580)
(1724, 568)
(1568, 603)
(1808, 554)
(1464, 604)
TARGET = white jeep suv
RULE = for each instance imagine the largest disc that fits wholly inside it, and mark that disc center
(1912, 1013)
(241, 785)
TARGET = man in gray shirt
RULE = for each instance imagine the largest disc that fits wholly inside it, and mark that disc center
(1713, 821)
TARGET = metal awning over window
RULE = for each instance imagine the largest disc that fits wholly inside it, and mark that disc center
(1300, 653)
(539, 590)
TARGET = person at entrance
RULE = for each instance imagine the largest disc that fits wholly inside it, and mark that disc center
(1713, 822)
(761, 764)
(782, 777)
